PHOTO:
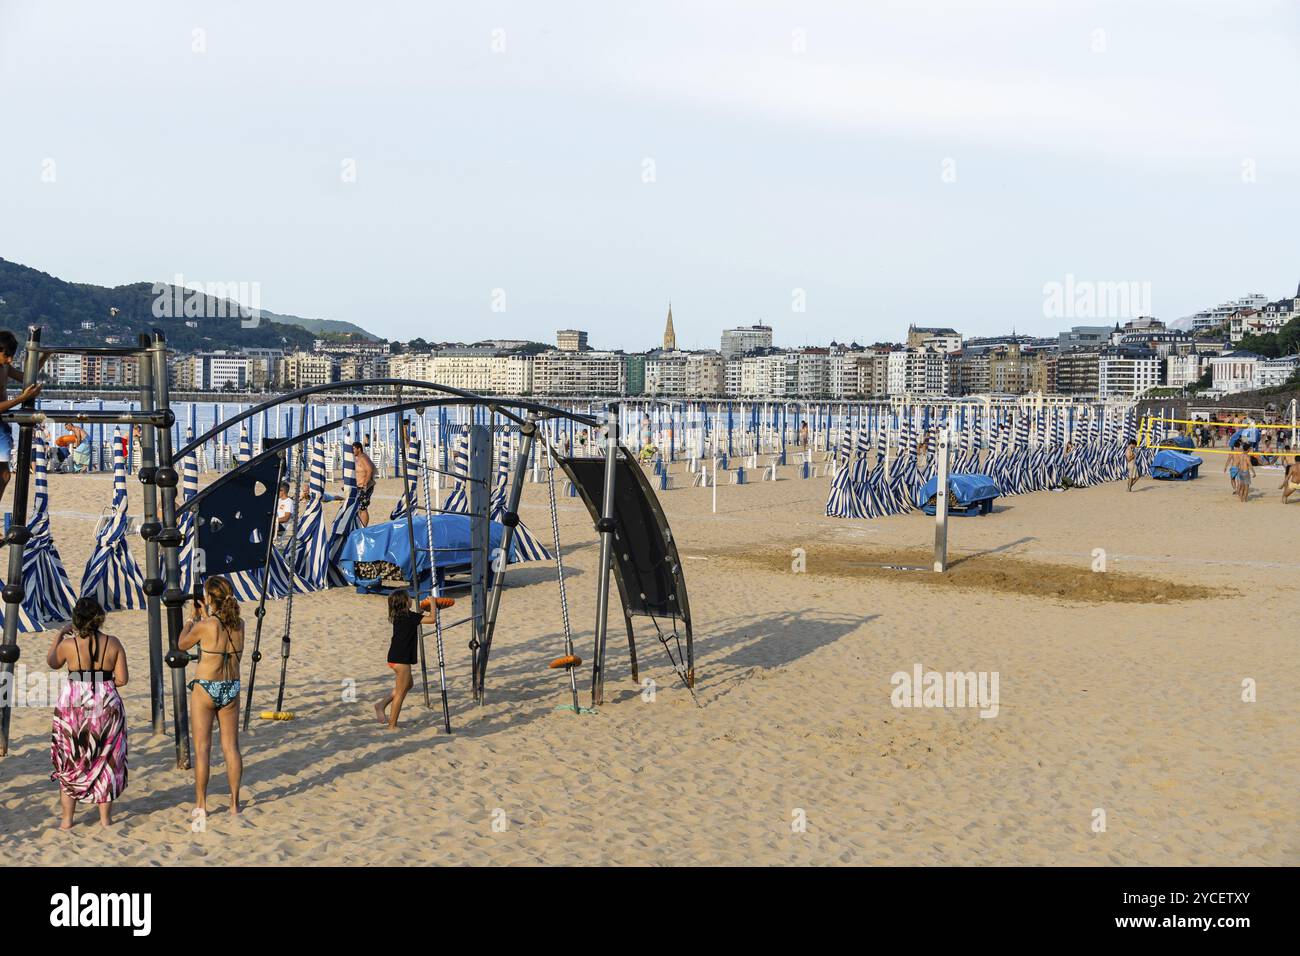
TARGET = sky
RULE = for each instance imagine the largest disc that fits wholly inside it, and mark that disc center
(505, 169)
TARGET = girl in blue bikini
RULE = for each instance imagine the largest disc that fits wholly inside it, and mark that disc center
(216, 629)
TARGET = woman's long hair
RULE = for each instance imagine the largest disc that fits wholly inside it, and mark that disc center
(225, 606)
(399, 602)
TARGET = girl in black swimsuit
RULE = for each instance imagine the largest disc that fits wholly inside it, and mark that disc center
(403, 651)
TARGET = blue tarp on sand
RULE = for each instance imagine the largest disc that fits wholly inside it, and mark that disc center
(1174, 466)
(390, 542)
(973, 494)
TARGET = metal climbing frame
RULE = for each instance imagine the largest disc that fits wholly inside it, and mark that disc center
(158, 528)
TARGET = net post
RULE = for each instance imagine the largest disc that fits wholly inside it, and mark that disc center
(941, 505)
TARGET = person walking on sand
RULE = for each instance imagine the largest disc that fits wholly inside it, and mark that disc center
(88, 743)
(365, 478)
(1240, 469)
(1130, 456)
(216, 629)
(403, 651)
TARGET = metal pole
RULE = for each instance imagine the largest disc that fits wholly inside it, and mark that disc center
(169, 539)
(941, 505)
(480, 447)
(149, 527)
(605, 527)
(404, 444)
(17, 538)
(509, 521)
(293, 574)
(433, 586)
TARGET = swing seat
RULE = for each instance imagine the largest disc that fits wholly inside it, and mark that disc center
(567, 661)
(443, 603)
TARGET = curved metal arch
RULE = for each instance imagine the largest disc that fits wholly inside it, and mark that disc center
(399, 408)
(301, 394)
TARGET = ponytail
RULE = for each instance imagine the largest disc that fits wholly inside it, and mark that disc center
(225, 606)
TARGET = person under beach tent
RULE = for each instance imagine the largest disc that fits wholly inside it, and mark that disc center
(217, 630)
(88, 744)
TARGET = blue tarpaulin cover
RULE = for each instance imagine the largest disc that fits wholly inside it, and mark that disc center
(1175, 465)
(1182, 441)
(390, 542)
(963, 491)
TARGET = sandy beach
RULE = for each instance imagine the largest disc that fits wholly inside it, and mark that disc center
(1119, 692)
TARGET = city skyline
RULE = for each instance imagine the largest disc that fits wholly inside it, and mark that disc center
(831, 173)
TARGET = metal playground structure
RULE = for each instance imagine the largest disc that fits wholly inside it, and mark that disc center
(228, 527)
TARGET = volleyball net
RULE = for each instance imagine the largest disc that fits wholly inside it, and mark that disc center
(1153, 434)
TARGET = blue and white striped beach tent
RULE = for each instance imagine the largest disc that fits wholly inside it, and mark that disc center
(49, 596)
(313, 533)
(412, 477)
(345, 521)
(458, 499)
(526, 545)
(112, 577)
(189, 488)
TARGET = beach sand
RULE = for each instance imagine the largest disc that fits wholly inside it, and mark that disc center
(1119, 692)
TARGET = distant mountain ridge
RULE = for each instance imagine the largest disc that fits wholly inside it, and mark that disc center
(75, 313)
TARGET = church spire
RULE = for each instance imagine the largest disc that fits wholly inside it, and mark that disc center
(670, 337)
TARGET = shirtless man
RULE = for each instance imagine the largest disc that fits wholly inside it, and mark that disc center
(1291, 478)
(8, 349)
(1240, 469)
(1130, 456)
(365, 475)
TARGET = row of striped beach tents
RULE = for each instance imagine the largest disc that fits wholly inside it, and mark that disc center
(882, 465)
(116, 580)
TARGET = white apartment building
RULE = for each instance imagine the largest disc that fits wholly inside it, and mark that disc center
(1270, 373)
(571, 340)
(1214, 317)
(1127, 372)
(866, 375)
(665, 373)
(413, 365)
(303, 369)
(483, 370)
(732, 376)
(917, 372)
(763, 376)
(1274, 315)
(1184, 370)
(706, 374)
(580, 373)
(744, 339)
(64, 369)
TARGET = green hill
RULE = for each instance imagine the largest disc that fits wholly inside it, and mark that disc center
(74, 313)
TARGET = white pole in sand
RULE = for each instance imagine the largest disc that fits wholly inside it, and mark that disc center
(715, 483)
(941, 506)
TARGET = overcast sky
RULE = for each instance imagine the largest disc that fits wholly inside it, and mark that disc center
(925, 162)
